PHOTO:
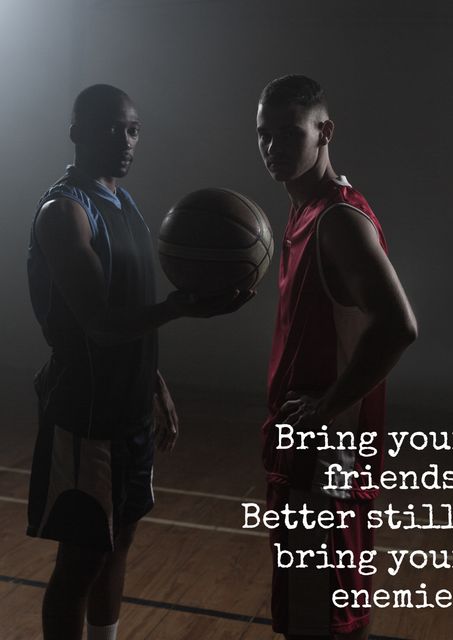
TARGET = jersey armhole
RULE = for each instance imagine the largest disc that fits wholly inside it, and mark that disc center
(68, 197)
(318, 246)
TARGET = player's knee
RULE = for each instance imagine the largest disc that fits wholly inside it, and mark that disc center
(81, 564)
(125, 538)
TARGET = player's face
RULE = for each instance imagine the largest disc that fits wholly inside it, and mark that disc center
(288, 139)
(110, 139)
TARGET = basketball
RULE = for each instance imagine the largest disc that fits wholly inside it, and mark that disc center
(213, 240)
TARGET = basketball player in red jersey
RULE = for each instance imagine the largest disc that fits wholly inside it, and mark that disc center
(343, 321)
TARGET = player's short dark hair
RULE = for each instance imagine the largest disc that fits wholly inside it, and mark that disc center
(94, 100)
(294, 89)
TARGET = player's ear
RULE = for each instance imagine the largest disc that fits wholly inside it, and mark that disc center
(326, 129)
(75, 134)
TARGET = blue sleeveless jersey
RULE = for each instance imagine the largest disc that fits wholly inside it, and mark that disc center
(97, 391)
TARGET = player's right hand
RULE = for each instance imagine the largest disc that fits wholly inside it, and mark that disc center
(301, 410)
(194, 306)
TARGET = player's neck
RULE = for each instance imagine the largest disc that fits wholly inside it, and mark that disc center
(302, 189)
(107, 181)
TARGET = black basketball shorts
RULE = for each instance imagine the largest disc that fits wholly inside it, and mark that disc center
(82, 490)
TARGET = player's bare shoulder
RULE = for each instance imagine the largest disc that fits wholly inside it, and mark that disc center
(343, 229)
(62, 222)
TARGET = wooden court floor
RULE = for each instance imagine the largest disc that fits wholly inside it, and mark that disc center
(193, 571)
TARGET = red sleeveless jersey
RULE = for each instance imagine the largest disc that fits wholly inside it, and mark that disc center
(314, 339)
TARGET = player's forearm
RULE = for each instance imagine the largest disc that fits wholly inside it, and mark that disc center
(379, 349)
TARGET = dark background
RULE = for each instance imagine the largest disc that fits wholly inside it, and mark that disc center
(195, 70)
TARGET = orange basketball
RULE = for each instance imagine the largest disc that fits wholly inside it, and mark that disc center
(213, 240)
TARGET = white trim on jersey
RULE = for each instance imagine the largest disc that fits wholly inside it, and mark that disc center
(342, 181)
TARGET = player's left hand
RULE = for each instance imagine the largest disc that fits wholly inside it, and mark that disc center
(302, 411)
(166, 424)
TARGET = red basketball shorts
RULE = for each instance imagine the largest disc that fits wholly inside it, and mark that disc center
(302, 597)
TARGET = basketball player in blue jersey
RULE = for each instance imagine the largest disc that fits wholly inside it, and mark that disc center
(91, 281)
